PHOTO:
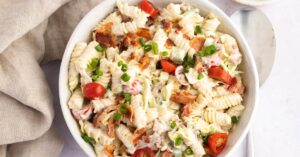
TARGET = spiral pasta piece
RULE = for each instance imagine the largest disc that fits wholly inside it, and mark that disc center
(97, 134)
(171, 12)
(212, 116)
(76, 100)
(226, 101)
(236, 110)
(73, 73)
(126, 137)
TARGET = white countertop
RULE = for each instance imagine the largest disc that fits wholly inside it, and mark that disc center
(276, 128)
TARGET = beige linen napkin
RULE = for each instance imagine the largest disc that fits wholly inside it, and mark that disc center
(32, 32)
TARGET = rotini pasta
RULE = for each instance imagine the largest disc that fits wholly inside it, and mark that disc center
(163, 79)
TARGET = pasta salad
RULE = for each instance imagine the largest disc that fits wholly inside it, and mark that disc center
(156, 82)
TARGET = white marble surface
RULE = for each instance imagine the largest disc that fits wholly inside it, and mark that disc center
(276, 126)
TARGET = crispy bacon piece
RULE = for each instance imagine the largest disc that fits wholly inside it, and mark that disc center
(138, 134)
(237, 87)
(109, 150)
(106, 39)
(111, 127)
(130, 39)
(129, 114)
(106, 28)
(183, 97)
(145, 33)
(197, 43)
(104, 112)
(167, 25)
(169, 43)
(144, 62)
(186, 110)
(167, 153)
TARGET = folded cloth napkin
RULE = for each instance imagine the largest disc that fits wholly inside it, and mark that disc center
(32, 33)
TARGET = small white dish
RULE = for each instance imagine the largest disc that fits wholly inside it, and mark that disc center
(255, 2)
(83, 33)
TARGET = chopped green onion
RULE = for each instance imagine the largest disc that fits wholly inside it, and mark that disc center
(87, 139)
(178, 141)
(125, 77)
(108, 86)
(124, 67)
(142, 41)
(186, 68)
(164, 53)
(95, 77)
(93, 64)
(99, 72)
(190, 61)
(188, 151)
(127, 97)
(123, 108)
(201, 53)
(147, 48)
(204, 138)
(155, 48)
(99, 48)
(200, 76)
(234, 119)
(117, 116)
(208, 50)
(173, 125)
(120, 63)
(198, 29)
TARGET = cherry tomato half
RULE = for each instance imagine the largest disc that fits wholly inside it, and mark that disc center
(218, 73)
(93, 90)
(143, 152)
(167, 66)
(148, 8)
(217, 142)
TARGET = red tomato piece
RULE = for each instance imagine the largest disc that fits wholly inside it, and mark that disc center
(167, 66)
(148, 8)
(143, 152)
(93, 90)
(217, 142)
(218, 73)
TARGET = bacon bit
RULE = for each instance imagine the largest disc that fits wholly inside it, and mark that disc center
(186, 110)
(167, 25)
(144, 32)
(199, 66)
(129, 114)
(106, 28)
(138, 134)
(130, 39)
(186, 36)
(100, 115)
(134, 56)
(119, 99)
(197, 43)
(237, 87)
(169, 43)
(167, 153)
(111, 127)
(183, 97)
(106, 39)
(109, 150)
(144, 62)
(125, 18)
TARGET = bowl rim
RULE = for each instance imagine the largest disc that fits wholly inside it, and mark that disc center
(65, 64)
(255, 3)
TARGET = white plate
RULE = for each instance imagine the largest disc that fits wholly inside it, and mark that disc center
(255, 2)
(83, 32)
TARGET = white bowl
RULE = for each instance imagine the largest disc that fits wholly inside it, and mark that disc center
(83, 33)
